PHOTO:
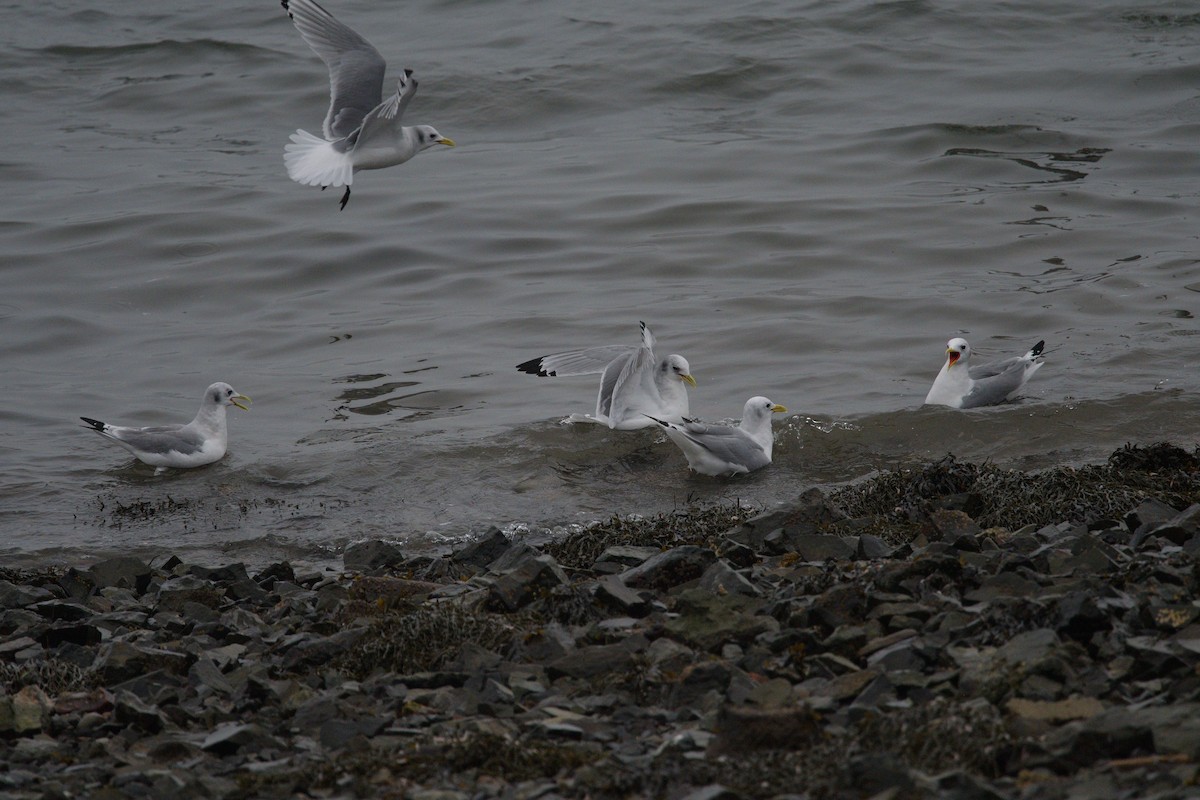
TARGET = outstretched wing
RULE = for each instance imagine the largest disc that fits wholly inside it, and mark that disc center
(356, 68)
(589, 361)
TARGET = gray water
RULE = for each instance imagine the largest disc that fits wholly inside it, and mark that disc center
(804, 199)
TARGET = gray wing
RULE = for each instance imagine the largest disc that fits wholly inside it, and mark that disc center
(995, 382)
(993, 368)
(589, 361)
(633, 390)
(355, 67)
(726, 443)
(608, 383)
(385, 115)
(159, 440)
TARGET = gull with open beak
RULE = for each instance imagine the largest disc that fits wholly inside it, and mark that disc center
(960, 385)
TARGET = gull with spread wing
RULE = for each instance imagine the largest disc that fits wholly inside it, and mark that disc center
(633, 383)
(362, 130)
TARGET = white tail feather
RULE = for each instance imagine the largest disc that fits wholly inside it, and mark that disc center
(312, 161)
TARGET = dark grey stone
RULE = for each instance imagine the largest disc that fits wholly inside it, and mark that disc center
(484, 550)
(670, 568)
(125, 572)
(372, 556)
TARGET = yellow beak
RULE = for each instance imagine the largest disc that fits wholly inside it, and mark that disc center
(445, 141)
(778, 409)
(689, 380)
(238, 399)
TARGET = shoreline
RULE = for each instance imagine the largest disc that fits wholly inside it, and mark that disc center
(907, 635)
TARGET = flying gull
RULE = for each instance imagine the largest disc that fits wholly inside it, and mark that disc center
(362, 130)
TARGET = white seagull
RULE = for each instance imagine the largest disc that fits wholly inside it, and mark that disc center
(634, 385)
(201, 441)
(727, 449)
(362, 130)
(959, 385)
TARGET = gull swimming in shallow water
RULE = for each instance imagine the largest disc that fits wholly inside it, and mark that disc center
(727, 449)
(201, 441)
(959, 385)
(362, 130)
(633, 384)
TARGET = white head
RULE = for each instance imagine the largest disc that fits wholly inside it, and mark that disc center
(426, 136)
(957, 349)
(222, 394)
(677, 368)
(760, 408)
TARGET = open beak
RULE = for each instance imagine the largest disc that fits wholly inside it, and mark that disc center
(689, 380)
(954, 356)
(445, 141)
(778, 409)
(238, 399)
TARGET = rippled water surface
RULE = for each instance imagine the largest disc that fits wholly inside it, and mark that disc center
(804, 199)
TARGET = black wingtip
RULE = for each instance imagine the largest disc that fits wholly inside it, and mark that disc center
(1037, 348)
(656, 419)
(534, 367)
(95, 424)
(345, 199)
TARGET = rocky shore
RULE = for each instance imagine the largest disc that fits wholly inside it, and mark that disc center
(954, 631)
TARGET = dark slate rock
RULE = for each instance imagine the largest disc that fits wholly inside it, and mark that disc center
(82, 634)
(125, 572)
(13, 596)
(872, 547)
(1150, 512)
(821, 546)
(809, 514)
(234, 737)
(713, 791)
(62, 610)
(707, 621)
(77, 585)
(279, 571)
(626, 556)
(335, 734)
(484, 550)
(371, 556)
(670, 568)
(720, 578)
(129, 709)
(234, 579)
(611, 592)
(910, 574)
(1079, 616)
(120, 661)
(844, 604)
(1177, 530)
(533, 576)
(746, 730)
(588, 662)
(950, 526)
